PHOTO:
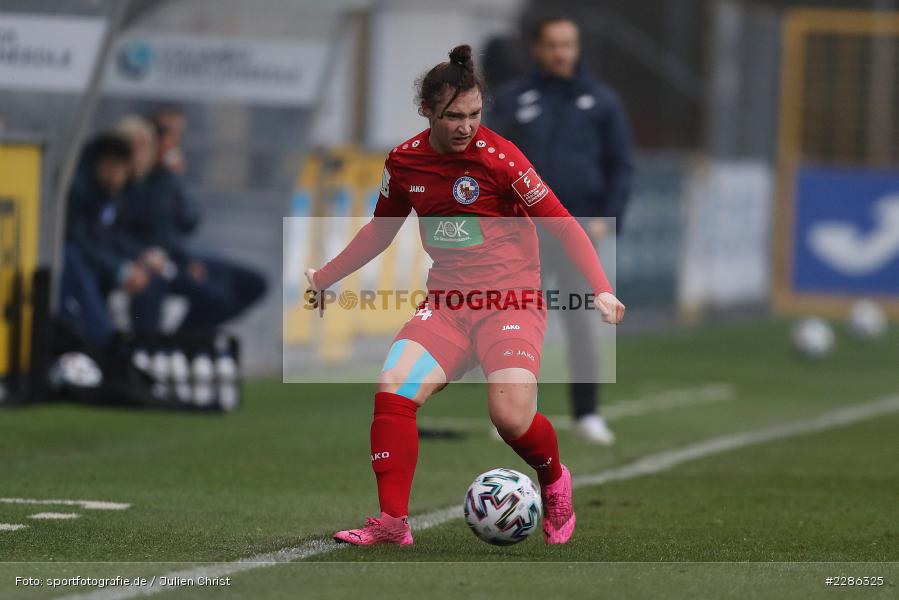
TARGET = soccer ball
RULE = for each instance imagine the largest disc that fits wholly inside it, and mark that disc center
(813, 337)
(867, 321)
(502, 507)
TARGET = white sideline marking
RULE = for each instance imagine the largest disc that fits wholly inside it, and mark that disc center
(648, 465)
(11, 526)
(666, 400)
(671, 399)
(54, 515)
(85, 504)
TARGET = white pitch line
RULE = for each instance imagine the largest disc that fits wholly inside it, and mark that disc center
(648, 465)
(671, 399)
(666, 400)
(11, 526)
(85, 504)
(54, 515)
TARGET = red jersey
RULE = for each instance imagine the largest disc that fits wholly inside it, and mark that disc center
(474, 210)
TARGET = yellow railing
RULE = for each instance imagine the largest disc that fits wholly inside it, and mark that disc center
(20, 183)
(340, 188)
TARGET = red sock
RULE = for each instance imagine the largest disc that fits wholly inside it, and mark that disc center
(540, 449)
(394, 451)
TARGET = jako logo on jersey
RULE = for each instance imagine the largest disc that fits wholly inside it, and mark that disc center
(417, 189)
(526, 354)
(379, 456)
(511, 327)
(466, 190)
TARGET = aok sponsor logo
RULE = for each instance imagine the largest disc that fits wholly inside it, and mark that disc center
(453, 232)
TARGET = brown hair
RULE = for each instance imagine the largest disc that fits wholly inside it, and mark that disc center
(458, 73)
(536, 33)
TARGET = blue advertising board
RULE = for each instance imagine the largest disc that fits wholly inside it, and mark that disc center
(845, 233)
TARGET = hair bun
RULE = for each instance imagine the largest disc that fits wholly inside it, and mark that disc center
(461, 55)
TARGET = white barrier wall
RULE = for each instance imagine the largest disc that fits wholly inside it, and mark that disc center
(408, 38)
(725, 256)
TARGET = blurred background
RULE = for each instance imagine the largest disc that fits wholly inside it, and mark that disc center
(766, 134)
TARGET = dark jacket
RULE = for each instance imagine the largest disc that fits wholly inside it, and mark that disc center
(576, 134)
(92, 225)
(159, 212)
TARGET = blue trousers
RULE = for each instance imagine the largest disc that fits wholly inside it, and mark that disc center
(83, 309)
(227, 291)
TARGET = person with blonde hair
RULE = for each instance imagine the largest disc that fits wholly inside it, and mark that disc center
(141, 136)
(159, 210)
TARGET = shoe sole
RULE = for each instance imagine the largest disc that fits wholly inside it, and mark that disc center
(343, 541)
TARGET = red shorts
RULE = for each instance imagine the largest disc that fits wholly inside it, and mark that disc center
(460, 338)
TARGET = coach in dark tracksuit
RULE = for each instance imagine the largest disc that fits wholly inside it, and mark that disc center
(575, 131)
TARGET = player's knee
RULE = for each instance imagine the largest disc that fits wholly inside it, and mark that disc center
(512, 406)
(415, 378)
(511, 424)
(391, 380)
(398, 381)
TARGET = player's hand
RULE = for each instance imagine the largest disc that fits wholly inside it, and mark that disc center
(610, 307)
(310, 277)
(313, 295)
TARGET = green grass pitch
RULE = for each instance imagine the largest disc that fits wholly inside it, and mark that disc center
(769, 520)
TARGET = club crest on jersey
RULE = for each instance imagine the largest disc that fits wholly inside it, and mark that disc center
(466, 190)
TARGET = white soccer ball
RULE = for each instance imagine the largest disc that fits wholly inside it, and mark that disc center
(867, 321)
(502, 507)
(813, 337)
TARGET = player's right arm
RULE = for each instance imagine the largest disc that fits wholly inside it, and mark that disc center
(390, 212)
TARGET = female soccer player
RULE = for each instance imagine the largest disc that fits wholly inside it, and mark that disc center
(474, 193)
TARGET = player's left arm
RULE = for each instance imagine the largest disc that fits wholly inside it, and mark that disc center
(540, 202)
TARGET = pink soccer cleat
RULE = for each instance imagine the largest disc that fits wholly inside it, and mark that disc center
(384, 530)
(558, 511)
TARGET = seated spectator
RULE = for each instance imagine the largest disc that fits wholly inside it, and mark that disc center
(157, 211)
(170, 124)
(161, 213)
(153, 211)
(99, 255)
